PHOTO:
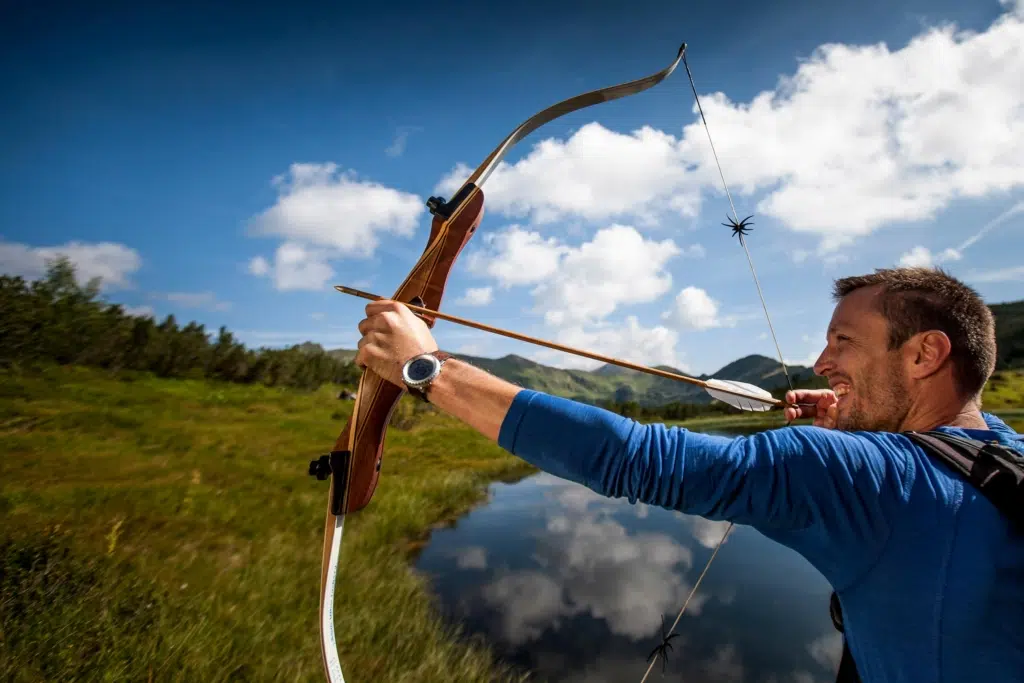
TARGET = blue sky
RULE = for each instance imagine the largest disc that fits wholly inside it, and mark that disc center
(229, 164)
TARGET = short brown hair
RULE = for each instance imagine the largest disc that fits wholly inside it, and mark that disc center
(915, 300)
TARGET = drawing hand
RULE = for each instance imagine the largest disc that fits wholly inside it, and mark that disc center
(823, 408)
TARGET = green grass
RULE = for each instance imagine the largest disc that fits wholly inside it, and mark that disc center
(1004, 396)
(167, 530)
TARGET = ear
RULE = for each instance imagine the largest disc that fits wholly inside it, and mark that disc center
(927, 353)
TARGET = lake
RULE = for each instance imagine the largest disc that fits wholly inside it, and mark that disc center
(571, 586)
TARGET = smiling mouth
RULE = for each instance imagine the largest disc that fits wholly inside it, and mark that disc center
(841, 391)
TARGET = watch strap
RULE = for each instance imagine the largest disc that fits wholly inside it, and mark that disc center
(421, 392)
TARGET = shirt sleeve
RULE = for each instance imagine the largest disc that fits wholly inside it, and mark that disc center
(999, 427)
(814, 490)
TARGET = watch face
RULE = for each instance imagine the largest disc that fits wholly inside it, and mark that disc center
(421, 368)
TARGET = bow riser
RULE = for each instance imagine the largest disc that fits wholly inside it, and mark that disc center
(356, 461)
(378, 398)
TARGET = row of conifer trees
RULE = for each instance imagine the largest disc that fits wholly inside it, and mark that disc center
(56, 319)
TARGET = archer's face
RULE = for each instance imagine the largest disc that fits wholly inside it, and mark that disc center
(866, 376)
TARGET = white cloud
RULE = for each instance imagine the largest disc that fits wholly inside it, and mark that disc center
(259, 266)
(847, 154)
(477, 296)
(596, 174)
(113, 263)
(918, 256)
(630, 341)
(397, 146)
(294, 267)
(517, 257)
(618, 266)
(317, 316)
(695, 309)
(1013, 6)
(576, 284)
(922, 256)
(322, 213)
(857, 138)
(319, 206)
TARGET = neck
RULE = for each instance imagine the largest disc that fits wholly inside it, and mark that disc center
(965, 416)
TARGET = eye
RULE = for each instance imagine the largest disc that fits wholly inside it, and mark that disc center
(842, 338)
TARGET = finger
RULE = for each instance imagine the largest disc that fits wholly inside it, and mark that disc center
(364, 326)
(828, 417)
(826, 401)
(832, 416)
(796, 407)
(384, 321)
(384, 305)
(808, 395)
(374, 341)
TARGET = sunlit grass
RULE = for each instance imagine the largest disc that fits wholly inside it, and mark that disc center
(167, 530)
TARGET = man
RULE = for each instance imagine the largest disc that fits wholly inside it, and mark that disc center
(930, 576)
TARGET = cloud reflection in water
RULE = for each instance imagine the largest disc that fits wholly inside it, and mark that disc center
(573, 586)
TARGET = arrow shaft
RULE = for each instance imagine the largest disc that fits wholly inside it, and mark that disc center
(555, 346)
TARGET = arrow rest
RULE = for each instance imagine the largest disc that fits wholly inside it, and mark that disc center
(335, 463)
(445, 209)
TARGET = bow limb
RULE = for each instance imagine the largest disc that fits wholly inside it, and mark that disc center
(355, 463)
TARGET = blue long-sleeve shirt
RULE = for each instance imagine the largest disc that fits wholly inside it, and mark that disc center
(929, 574)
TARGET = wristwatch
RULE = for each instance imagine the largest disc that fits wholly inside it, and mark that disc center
(419, 371)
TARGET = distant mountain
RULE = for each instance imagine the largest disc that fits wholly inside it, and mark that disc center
(613, 383)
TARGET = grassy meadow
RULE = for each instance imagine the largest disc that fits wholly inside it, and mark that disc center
(167, 530)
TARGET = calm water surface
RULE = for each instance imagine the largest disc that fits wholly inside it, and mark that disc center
(572, 586)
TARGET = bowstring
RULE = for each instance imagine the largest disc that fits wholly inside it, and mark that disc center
(693, 592)
(736, 217)
(771, 329)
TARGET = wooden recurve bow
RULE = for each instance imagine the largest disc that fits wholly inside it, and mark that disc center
(355, 463)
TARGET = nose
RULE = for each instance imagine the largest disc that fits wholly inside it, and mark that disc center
(823, 365)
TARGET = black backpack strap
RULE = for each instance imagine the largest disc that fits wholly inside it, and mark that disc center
(997, 471)
(847, 672)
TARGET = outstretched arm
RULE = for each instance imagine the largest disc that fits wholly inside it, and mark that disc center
(829, 495)
(813, 489)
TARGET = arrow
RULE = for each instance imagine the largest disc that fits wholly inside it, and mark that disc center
(737, 394)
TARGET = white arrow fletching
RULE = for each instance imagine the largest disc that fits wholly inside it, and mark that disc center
(753, 398)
